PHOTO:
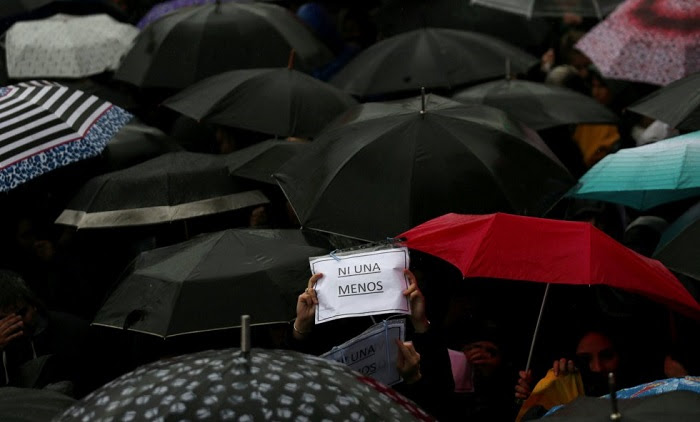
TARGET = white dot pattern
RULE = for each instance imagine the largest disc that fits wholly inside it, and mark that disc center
(272, 385)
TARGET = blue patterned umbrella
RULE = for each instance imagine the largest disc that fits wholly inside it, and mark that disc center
(646, 176)
(661, 386)
(44, 126)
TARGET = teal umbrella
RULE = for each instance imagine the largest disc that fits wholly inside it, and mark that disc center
(647, 176)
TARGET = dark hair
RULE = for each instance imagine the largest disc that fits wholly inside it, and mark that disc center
(14, 290)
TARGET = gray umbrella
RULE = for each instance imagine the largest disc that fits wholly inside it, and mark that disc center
(31, 405)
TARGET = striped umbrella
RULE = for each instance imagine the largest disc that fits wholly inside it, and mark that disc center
(44, 126)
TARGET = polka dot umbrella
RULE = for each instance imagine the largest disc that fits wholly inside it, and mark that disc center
(231, 385)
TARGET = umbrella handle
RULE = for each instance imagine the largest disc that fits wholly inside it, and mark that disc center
(537, 328)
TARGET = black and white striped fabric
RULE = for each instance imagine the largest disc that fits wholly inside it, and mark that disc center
(44, 125)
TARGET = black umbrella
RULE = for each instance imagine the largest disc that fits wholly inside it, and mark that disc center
(170, 187)
(557, 8)
(206, 283)
(277, 101)
(397, 16)
(677, 406)
(386, 167)
(432, 58)
(677, 104)
(260, 161)
(135, 143)
(679, 246)
(194, 43)
(538, 105)
(230, 385)
(32, 405)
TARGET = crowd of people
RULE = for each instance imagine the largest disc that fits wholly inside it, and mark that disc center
(466, 347)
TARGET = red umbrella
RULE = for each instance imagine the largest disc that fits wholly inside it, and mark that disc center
(653, 41)
(513, 247)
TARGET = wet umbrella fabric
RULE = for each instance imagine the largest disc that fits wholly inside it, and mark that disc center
(173, 186)
(383, 168)
(396, 16)
(679, 246)
(652, 41)
(430, 58)
(277, 101)
(260, 161)
(206, 283)
(530, 8)
(646, 176)
(194, 43)
(662, 386)
(44, 126)
(135, 143)
(680, 406)
(163, 8)
(65, 46)
(538, 105)
(515, 247)
(18, 7)
(677, 104)
(227, 385)
(32, 405)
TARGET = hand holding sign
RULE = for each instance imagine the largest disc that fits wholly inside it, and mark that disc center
(408, 362)
(415, 297)
(306, 309)
(364, 283)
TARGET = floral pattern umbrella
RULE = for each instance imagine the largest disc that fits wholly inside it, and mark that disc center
(652, 41)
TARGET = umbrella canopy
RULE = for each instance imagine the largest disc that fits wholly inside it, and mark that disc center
(645, 176)
(677, 104)
(65, 46)
(194, 43)
(206, 283)
(530, 8)
(163, 8)
(277, 101)
(431, 58)
(32, 405)
(260, 161)
(170, 187)
(135, 143)
(538, 105)
(679, 245)
(18, 7)
(396, 16)
(680, 406)
(231, 385)
(662, 386)
(549, 251)
(44, 126)
(652, 41)
(386, 167)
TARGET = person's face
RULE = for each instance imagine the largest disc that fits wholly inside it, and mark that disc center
(598, 352)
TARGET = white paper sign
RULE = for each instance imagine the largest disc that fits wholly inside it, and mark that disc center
(360, 284)
(374, 352)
